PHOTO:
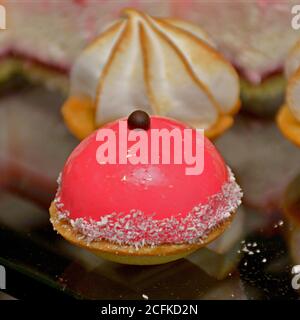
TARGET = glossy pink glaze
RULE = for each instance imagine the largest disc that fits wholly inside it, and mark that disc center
(92, 190)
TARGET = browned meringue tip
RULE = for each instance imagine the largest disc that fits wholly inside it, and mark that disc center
(128, 12)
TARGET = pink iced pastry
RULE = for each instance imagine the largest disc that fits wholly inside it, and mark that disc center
(144, 211)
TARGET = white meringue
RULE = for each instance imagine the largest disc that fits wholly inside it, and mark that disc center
(166, 66)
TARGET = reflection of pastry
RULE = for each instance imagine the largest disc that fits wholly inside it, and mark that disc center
(288, 118)
(221, 257)
(291, 206)
(143, 213)
(178, 280)
(169, 67)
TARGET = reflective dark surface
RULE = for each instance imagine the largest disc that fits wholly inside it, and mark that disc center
(253, 260)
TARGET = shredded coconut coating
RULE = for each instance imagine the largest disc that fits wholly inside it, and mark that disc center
(137, 229)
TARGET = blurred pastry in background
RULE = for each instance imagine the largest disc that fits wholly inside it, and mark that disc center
(265, 172)
(288, 117)
(288, 120)
(167, 66)
(43, 38)
(255, 36)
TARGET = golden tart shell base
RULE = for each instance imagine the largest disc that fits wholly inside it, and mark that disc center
(79, 116)
(289, 125)
(125, 254)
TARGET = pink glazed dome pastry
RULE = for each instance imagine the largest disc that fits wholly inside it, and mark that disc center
(135, 211)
